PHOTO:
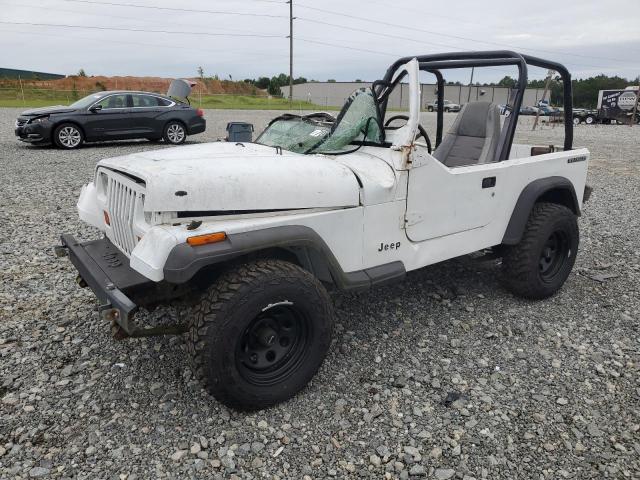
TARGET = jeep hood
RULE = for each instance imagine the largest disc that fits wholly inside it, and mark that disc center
(223, 176)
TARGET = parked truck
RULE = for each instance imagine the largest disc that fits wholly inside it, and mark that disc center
(618, 105)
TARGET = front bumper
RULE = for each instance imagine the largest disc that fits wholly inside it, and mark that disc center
(34, 132)
(104, 269)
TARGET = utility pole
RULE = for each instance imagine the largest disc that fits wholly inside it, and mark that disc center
(635, 108)
(290, 53)
(470, 83)
(544, 95)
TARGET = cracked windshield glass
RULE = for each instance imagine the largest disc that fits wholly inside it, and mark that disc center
(319, 133)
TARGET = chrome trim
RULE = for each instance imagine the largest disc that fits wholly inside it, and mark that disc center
(173, 103)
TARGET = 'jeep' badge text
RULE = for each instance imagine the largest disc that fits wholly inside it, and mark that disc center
(389, 246)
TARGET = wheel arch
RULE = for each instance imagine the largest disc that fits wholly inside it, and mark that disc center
(295, 243)
(558, 190)
(174, 119)
(62, 121)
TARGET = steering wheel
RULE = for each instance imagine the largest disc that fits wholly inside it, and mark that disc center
(421, 130)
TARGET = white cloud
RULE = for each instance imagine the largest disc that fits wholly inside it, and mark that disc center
(596, 37)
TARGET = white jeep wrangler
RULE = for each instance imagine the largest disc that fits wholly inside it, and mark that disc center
(257, 232)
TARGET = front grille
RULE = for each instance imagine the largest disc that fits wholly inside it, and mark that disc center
(125, 200)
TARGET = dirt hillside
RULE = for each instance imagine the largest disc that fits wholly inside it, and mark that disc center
(151, 84)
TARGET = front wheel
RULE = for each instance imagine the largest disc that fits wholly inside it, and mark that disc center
(174, 133)
(540, 263)
(260, 333)
(590, 119)
(68, 136)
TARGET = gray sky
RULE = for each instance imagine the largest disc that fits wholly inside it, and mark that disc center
(588, 36)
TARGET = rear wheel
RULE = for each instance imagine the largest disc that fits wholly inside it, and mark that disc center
(260, 333)
(68, 136)
(175, 133)
(430, 108)
(589, 119)
(538, 266)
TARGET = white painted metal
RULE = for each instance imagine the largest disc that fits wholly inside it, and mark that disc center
(371, 207)
(227, 176)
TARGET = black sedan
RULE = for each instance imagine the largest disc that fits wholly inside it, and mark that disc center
(111, 115)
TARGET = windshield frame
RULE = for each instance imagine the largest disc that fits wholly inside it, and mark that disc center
(343, 112)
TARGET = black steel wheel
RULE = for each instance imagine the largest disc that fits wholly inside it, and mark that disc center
(260, 333)
(553, 255)
(540, 263)
(273, 345)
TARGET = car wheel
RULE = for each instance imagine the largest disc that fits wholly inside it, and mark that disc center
(430, 109)
(175, 133)
(540, 263)
(446, 110)
(576, 120)
(260, 333)
(589, 119)
(68, 136)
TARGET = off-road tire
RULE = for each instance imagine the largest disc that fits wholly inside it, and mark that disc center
(68, 136)
(174, 133)
(228, 310)
(523, 265)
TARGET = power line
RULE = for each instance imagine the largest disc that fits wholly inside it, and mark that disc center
(142, 44)
(122, 29)
(121, 17)
(175, 9)
(382, 34)
(318, 42)
(405, 27)
(422, 42)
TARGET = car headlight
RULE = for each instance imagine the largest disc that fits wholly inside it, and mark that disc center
(40, 120)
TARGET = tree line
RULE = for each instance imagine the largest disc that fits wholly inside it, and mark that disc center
(272, 85)
(585, 90)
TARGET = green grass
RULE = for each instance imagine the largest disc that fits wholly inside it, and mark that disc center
(43, 98)
(243, 102)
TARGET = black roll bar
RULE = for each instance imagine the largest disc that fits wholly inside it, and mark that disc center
(433, 63)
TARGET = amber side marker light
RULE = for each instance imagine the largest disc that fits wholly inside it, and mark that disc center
(107, 220)
(205, 239)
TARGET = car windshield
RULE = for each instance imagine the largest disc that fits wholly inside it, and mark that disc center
(319, 133)
(86, 101)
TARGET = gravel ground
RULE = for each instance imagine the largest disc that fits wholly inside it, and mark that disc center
(442, 376)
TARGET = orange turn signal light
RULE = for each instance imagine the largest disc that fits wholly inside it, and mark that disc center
(207, 238)
(107, 220)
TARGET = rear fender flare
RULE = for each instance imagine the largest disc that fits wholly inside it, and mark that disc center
(553, 189)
